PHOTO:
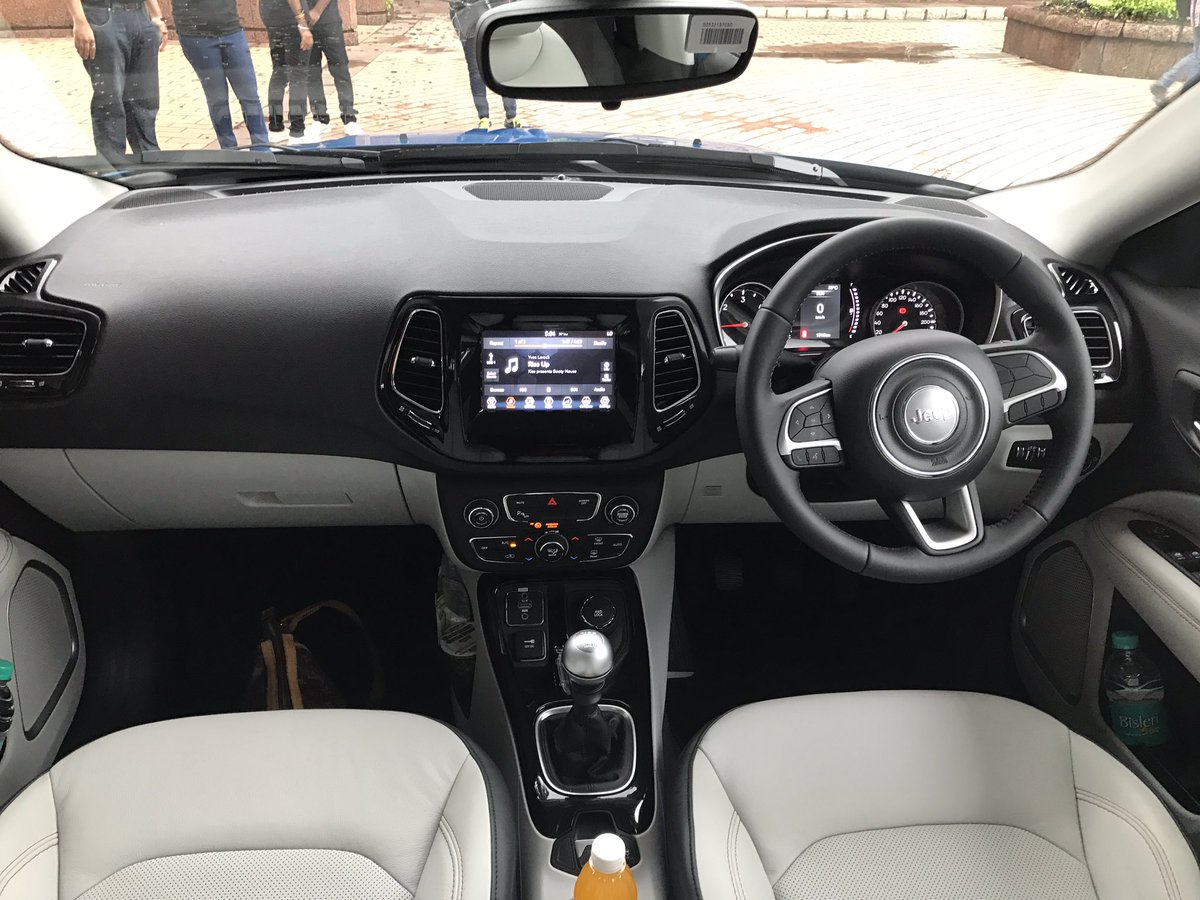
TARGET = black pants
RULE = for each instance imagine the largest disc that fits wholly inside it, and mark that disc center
(329, 39)
(289, 69)
(124, 76)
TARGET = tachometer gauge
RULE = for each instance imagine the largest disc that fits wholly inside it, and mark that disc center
(738, 308)
(903, 310)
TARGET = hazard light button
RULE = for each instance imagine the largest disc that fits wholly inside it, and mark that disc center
(558, 506)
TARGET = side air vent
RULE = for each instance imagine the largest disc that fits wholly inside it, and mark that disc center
(1100, 331)
(1076, 285)
(23, 279)
(33, 345)
(676, 370)
(1097, 337)
(417, 368)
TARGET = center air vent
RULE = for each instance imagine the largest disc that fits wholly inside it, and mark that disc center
(23, 279)
(418, 366)
(676, 371)
(35, 345)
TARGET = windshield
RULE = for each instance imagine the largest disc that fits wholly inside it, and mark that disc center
(955, 91)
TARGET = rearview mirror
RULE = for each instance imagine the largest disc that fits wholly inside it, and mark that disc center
(612, 51)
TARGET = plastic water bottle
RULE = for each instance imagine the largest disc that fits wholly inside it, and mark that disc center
(1134, 687)
(606, 876)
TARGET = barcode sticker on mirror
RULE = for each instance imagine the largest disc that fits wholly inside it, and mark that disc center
(718, 34)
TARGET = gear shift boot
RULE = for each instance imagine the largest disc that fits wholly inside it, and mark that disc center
(587, 753)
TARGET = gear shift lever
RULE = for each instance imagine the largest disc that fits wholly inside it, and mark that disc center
(587, 661)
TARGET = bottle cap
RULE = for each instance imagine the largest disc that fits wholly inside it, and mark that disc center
(608, 854)
(1125, 640)
(6, 670)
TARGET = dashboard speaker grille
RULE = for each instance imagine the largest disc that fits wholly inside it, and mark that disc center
(418, 365)
(540, 191)
(1056, 615)
(158, 197)
(676, 368)
(23, 279)
(34, 344)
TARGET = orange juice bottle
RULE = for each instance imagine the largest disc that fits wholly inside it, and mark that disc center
(606, 876)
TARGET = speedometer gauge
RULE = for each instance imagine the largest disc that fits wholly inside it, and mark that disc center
(739, 306)
(903, 310)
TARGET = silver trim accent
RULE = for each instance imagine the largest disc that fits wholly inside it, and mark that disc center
(479, 504)
(1058, 384)
(962, 515)
(995, 314)
(561, 709)
(786, 445)
(950, 401)
(607, 558)
(37, 287)
(654, 358)
(504, 501)
(723, 276)
(441, 367)
(903, 467)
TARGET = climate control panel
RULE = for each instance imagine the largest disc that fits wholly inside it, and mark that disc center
(597, 528)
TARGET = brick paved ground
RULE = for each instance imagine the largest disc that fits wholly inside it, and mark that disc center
(933, 96)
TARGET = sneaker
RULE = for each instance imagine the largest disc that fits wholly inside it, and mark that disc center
(485, 123)
(1159, 93)
(353, 129)
(514, 122)
(294, 139)
(314, 132)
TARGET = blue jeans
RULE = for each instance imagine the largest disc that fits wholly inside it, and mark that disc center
(1187, 68)
(479, 89)
(222, 63)
(124, 76)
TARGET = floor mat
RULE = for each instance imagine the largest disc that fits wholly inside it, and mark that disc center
(795, 623)
(172, 619)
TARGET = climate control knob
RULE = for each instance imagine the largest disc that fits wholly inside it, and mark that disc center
(621, 510)
(481, 514)
(551, 547)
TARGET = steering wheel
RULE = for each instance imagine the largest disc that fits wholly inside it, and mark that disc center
(916, 416)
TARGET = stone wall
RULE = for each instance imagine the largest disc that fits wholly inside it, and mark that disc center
(1095, 46)
(49, 18)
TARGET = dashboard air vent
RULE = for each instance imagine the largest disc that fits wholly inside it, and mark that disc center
(676, 370)
(1097, 337)
(1076, 285)
(23, 279)
(417, 368)
(35, 345)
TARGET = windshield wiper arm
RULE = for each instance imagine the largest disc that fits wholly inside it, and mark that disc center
(162, 166)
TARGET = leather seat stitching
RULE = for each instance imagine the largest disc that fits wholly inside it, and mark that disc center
(442, 814)
(1132, 567)
(25, 857)
(1078, 812)
(1165, 872)
(446, 830)
(731, 849)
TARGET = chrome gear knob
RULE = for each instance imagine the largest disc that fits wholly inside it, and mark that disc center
(587, 657)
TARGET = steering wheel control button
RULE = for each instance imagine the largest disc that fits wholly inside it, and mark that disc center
(524, 606)
(598, 612)
(503, 549)
(929, 417)
(621, 510)
(529, 646)
(482, 514)
(551, 548)
(596, 547)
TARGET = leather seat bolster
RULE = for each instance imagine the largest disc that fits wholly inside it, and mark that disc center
(29, 845)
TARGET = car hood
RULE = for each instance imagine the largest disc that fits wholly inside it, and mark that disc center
(521, 136)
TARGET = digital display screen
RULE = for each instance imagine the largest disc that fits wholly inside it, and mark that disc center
(821, 314)
(548, 371)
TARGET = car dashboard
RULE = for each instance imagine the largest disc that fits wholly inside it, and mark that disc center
(548, 382)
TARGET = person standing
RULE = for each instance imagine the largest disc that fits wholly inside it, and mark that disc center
(213, 41)
(290, 40)
(329, 39)
(119, 42)
(465, 16)
(1187, 69)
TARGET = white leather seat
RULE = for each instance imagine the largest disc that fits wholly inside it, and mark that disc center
(920, 796)
(290, 805)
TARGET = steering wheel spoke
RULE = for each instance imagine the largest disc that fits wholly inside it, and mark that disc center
(808, 435)
(1030, 382)
(959, 528)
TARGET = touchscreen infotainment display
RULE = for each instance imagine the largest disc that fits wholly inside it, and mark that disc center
(548, 371)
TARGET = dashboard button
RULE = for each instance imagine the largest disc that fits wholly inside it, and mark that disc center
(558, 506)
(481, 514)
(496, 549)
(596, 547)
(621, 510)
(598, 612)
(550, 547)
(529, 646)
